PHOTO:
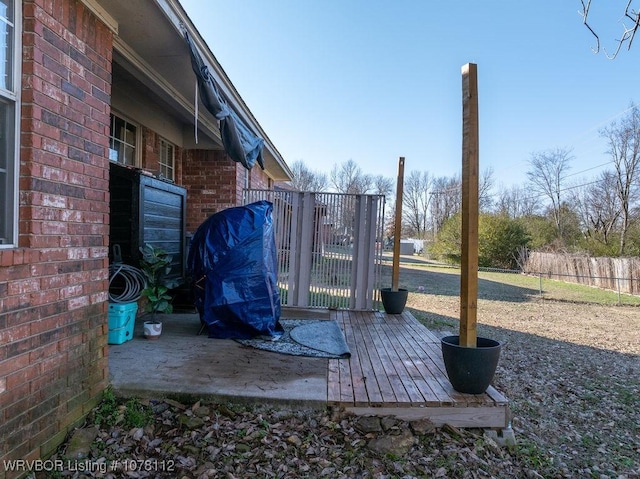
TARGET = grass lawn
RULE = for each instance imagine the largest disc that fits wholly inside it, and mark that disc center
(530, 285)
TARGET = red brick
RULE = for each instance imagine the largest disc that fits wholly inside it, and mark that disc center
(6, 258)
(25, 286)
(39, 354)
(46, 431)
(12, 303)
(17, 362)
(54, 362)
(12, 395)
(43, 408)
(44, 297)
(22, 376)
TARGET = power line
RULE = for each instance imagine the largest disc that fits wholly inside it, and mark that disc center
(604, 122)
(542, 195)
(589, 169)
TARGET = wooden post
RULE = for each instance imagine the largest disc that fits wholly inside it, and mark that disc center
(397, 231)
(470, 208)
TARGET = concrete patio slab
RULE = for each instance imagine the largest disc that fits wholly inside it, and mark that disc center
(183, 363)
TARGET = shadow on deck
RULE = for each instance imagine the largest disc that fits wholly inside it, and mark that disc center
(395, 369)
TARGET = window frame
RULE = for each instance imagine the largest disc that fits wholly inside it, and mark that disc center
(10, 95)
(163, 166)
(138, 138)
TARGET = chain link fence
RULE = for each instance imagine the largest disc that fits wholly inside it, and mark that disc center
(495, 284)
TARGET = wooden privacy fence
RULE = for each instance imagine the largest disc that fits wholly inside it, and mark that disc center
(616, 274)
(329, 247)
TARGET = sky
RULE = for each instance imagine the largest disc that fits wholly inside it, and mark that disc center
(371, 81)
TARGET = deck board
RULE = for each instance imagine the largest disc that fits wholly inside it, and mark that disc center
(430, 345)
(387, 366)
(396, 367)
(423, 356)
(376, 380)
(403, 364)
(432, 392)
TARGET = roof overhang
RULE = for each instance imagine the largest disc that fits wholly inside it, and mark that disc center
(149, 46)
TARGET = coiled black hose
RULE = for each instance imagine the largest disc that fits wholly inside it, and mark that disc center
(126, 283)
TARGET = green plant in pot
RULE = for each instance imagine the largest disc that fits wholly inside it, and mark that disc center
(156, 266)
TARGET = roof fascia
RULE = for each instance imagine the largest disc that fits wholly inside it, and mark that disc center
(102, 14)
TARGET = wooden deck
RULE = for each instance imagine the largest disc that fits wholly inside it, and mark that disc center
(396, 368)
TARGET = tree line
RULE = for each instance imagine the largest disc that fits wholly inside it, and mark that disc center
(553, 210)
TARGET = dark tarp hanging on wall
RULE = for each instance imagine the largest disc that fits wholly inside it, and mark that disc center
(238, 140)
(232, 260)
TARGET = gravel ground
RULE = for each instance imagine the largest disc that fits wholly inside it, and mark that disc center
(569, 370)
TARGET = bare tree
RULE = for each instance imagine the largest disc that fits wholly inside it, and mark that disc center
(485, 186)
(547, 176)
(629, 30)
(349, 178)
(624, 147)
(598, 206)
(415, 202)
(305, 179)
(383, 186)
(446, 193)
(516, 202)
(446, 199)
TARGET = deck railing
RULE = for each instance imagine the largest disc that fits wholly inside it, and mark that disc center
(329, 247)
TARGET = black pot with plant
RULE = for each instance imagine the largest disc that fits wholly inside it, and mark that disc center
(156, 266)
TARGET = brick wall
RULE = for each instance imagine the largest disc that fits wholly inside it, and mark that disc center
(150, 151)
(151, 154)
(53, 287)
(214, 182)
(258, 180)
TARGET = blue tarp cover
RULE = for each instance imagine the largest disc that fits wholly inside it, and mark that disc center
(233, 263)
(240, 143)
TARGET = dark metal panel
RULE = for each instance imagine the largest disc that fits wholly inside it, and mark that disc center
(147, 210)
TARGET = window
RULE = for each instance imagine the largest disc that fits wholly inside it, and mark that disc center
(9, 73)
(167, 160)
(122, 141)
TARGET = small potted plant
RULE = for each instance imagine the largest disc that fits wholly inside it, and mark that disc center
(156, 266)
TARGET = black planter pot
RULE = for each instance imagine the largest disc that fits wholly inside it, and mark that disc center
(470, 370)
(394, 301)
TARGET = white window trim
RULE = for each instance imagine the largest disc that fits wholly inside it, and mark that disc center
(161, 164)
(136, 159)
(14, 96)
